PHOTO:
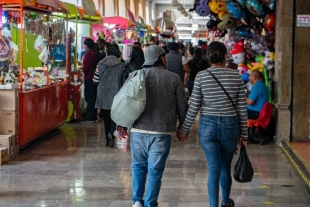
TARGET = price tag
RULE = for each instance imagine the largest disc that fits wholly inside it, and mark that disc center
(303, 20)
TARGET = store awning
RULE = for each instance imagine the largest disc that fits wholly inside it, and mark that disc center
(50, 5)
(119, 22)
(73, 12)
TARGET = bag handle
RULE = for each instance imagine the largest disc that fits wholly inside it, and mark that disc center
(215, 78)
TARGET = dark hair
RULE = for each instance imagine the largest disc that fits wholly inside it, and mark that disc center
(159, 62)
(216, 52)
(89, 43)
(173, 46)
(107, 44)
(191, 50)
(97, 47)
(137, 57)
(115, 46)
(137, 43)
(100, 41)
(200, 42)
(113, 51)
(197, 55)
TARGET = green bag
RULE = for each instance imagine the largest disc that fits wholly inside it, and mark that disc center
(129, 103)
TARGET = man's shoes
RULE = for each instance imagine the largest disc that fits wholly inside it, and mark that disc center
(87, 121)
(137, 204)
(110, 140)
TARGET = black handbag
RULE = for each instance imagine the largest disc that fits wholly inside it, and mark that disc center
(243, 171)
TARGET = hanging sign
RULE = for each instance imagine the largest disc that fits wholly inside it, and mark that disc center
(89, 7)
(303, 20)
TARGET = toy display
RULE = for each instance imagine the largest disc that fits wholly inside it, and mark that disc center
(247, 28)
(75, 83)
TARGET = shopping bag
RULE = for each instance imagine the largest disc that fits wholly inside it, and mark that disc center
(243, 172)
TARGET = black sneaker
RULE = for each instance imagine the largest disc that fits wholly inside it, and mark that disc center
(230, 203)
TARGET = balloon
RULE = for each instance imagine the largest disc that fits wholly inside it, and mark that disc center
(212, 24)
(226, 23)
(234, 9)
(203, 9)
(217, 6)
(259, 58)
(254, 7)
(245, 32)
(241, 3)
(269, 3)
(270, 21)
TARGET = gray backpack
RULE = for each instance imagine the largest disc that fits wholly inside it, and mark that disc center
(129, 103)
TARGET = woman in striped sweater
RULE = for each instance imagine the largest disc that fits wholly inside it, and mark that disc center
(223, 120)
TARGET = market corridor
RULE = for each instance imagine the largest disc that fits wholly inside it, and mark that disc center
(73, 167)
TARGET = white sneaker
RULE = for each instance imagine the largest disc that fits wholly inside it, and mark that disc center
(137, 204)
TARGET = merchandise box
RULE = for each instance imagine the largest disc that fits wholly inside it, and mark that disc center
(12, 143)
(4, 155)
(9, 86)
(9, 100)
(9, 122)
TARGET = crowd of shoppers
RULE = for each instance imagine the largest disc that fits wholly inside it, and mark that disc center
(167, 72)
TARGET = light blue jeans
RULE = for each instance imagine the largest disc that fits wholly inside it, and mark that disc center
(149, 155)
(219, 137)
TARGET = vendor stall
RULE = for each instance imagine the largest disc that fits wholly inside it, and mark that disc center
(119, 30)
(37, 40)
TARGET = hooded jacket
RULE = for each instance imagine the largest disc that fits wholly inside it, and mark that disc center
(110, 76)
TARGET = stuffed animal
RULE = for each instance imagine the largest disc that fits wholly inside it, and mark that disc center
(217, 6)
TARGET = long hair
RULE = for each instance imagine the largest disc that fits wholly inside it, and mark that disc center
(216, 52)
(198, 55)
(137, 57)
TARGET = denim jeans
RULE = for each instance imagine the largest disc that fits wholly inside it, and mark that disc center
(219, 137)
(190, 86)
(90, 98)
(149, 155)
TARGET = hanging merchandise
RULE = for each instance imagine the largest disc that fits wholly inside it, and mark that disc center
(5, 49)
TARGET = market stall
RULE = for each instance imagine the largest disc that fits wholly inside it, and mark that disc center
(119, 30)
(247, 27)
(36, 40)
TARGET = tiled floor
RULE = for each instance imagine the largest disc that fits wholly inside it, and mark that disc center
(72, 167)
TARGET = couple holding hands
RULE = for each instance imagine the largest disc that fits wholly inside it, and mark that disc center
(218, 93)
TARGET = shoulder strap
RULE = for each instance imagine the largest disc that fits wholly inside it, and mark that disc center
(215, 78)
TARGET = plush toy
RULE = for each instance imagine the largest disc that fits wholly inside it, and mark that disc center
(227, 21)
(217, 6)
(203, 9)
(269, 60)
(238, 55)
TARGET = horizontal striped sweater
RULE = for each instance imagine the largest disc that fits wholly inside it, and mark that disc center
(210, 98)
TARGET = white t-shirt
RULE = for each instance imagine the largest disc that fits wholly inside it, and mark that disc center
(184, 60)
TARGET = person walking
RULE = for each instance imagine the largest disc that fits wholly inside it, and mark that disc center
(177, 63)
(135, 63)
(108, 77)
(196, 64)
(221, 125)
(90, 61)
(151, 135)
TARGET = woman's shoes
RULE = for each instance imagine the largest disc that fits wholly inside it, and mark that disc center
(230, 203)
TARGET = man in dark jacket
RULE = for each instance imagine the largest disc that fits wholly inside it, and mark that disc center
(90, 62)
(177, 63)
(151, 135)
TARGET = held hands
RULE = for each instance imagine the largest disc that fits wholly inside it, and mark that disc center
(182, 137)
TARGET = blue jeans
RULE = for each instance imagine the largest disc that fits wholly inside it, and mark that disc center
(219, 137)
(190, 86)
(149, 155)
(90, 98)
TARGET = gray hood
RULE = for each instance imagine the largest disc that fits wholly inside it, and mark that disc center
(110, 61)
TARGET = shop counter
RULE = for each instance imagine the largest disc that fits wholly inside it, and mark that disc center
(42, 110)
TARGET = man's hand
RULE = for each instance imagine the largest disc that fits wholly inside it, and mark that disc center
(182, 137)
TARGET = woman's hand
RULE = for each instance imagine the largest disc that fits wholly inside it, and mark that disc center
(182, 137)
(243, 141)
